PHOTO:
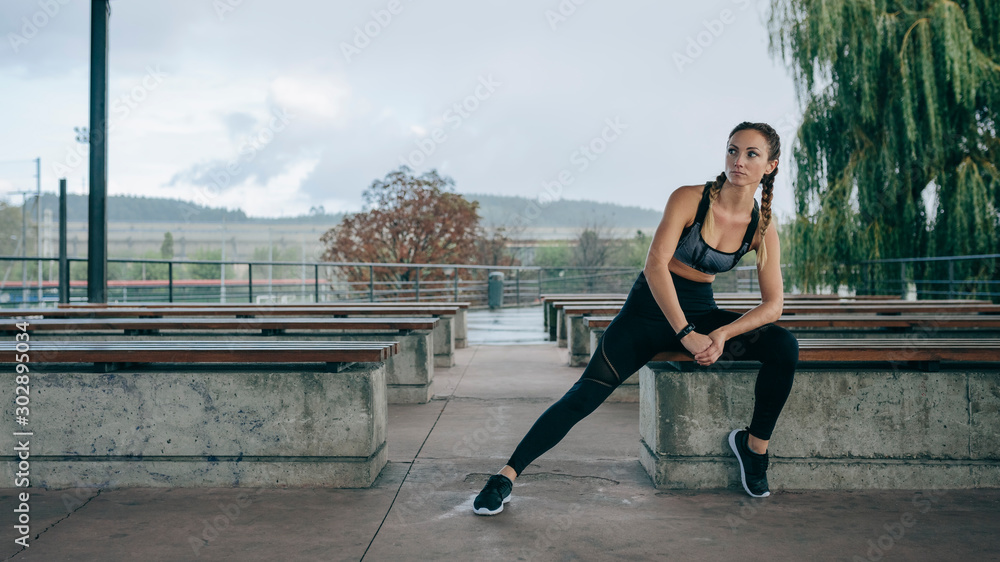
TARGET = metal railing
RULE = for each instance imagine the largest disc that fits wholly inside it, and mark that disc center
(951, 277)
(149, 280)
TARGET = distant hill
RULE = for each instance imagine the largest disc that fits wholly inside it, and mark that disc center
(133, 208)
(496, 210)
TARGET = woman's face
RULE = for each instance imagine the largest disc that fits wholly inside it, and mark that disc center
(746, 158)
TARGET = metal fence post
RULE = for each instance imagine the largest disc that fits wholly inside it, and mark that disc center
(316, 276)
(371, 283)
(951, 279)
(456, 284)
(170, 282)
(902, 278)
(250, 281)
(418, 285)
(517, 285)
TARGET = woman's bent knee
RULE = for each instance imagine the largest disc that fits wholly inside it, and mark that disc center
(782, 347)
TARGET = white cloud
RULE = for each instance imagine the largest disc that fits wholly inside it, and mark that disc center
(354, 123)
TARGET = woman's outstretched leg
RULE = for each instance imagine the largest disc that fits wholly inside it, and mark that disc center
(627, 344)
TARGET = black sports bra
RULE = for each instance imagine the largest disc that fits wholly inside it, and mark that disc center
(692, 249)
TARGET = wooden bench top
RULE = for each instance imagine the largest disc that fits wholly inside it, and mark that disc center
(883, 349)
(832, 308)
(720, 296)
(265, 324)
(581, 296)
(246, 311)
(244, 304)
(864, 321)
(591, 310)
(195, 351)
(793, 306)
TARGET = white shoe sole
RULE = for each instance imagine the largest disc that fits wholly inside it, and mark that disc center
(739, 460)
(484, 511)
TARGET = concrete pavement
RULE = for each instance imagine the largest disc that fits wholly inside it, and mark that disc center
(587, 499)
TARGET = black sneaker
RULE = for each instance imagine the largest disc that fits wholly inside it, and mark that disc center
(753, 466)
(496, 493)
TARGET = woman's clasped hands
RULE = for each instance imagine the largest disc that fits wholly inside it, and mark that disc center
(705, 348)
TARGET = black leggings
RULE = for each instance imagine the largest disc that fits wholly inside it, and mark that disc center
(639, 332)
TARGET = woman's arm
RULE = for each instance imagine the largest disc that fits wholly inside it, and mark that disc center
(769, 310)
(680, 209)
(771, 291)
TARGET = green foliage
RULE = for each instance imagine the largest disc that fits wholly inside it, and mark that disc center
(632, 252)
(205, 270)
(288, 253)
(10, 229)
(900, 98)
(167, 248)
(559, 255)
(628, 252)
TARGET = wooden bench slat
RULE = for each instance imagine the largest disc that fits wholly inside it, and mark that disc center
(195, 323)
(116, 312)
(864, 321)
(279, 305)
(825, 308)
(193, 351)
(884, 349)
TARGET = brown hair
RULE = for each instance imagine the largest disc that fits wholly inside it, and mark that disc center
(715, 186)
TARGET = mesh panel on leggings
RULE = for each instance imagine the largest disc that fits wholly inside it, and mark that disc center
(600, 370)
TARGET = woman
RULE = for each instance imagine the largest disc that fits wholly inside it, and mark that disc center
(704, 231)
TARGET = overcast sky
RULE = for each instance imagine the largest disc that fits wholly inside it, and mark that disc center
(275, 107)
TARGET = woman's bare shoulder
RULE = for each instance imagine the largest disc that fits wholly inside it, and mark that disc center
(687, 195)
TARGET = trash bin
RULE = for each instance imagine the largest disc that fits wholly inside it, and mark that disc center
(496, 290)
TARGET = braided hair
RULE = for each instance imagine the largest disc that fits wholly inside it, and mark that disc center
(715, 186)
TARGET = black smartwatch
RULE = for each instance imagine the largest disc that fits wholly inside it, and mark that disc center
(685, 331)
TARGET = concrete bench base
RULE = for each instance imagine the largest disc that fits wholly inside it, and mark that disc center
(227, 425)
(408, 374)
(329, 472)
(821, 474)
(444, 342)
(842, 428)
(578, 341)
(461, 329)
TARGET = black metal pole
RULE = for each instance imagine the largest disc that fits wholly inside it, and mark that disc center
(63, 261)
(97, 218)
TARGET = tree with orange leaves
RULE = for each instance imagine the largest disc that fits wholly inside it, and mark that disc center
(408, 219)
